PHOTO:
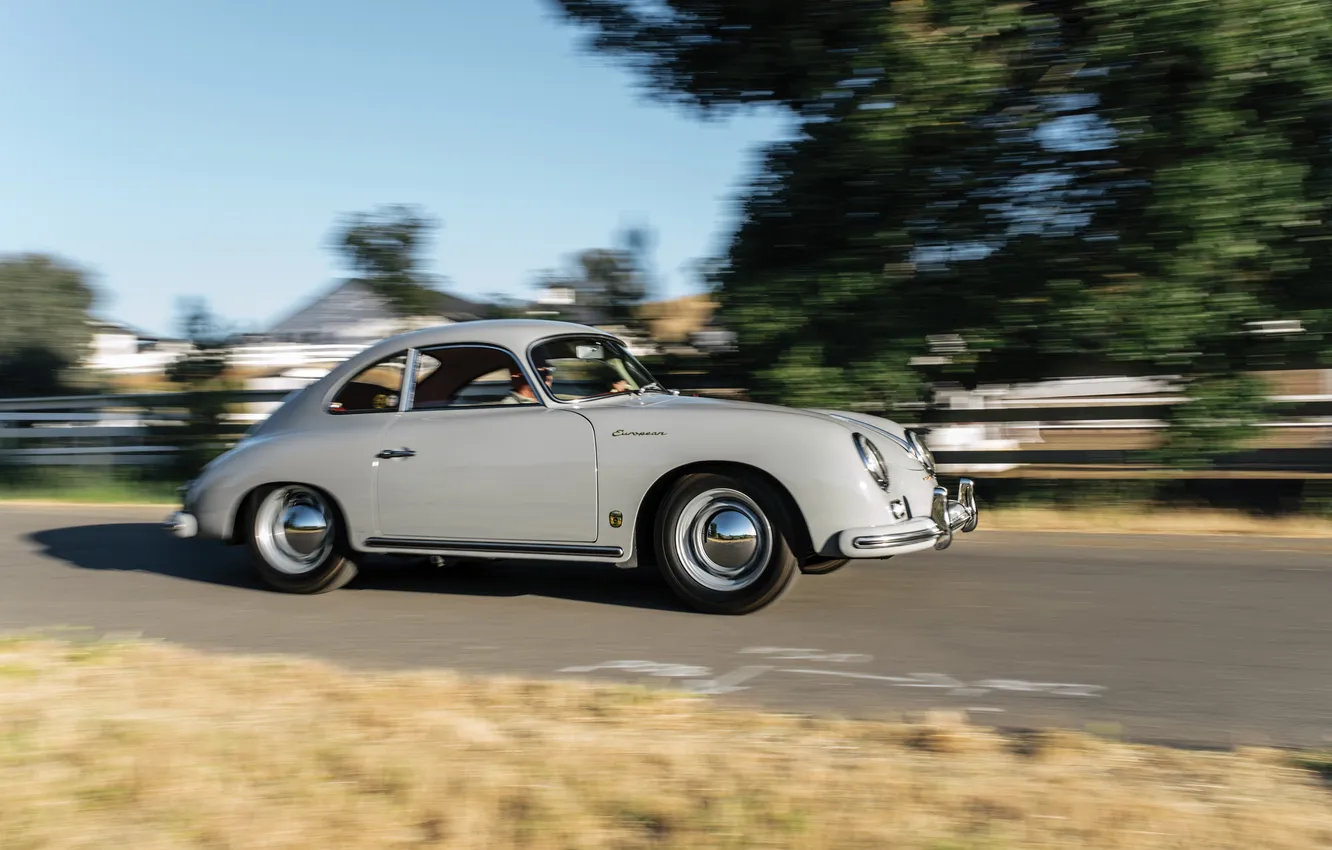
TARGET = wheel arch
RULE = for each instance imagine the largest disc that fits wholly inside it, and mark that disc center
(645, 521)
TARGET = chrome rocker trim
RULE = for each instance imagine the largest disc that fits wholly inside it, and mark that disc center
(946, 517)
(478, 546)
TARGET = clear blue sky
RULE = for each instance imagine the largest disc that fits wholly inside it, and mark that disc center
(206, 148)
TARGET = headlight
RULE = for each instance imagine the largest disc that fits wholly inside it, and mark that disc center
(869, 455)
(921, 452)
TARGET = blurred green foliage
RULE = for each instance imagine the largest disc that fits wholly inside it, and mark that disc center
(384, 247)
(44, 331)
(611, 283)
(1075, 187)
(88, 484)
(202, 375)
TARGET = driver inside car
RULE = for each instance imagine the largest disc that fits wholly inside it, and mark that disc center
(521, 391)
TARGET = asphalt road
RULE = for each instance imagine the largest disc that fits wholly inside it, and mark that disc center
(1193, 641)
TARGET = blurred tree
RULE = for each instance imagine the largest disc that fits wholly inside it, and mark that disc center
(609, 281)
(612, 282)
(384, 248)
(202, 375)
(206, 362)
(637, 241)
(1072, 186)
(44, 331)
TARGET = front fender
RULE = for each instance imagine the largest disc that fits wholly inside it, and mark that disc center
(339, 463)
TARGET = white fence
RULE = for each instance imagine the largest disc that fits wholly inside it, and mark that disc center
(290, 355)
(971, 432)
(108, 430)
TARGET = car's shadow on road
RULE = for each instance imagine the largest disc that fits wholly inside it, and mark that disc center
(146, 548)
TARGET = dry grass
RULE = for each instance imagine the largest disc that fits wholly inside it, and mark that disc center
(675, 320)
(148, 747)
(1142, 520)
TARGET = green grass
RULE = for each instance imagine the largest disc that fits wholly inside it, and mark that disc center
(84, 485)
(1319, 764)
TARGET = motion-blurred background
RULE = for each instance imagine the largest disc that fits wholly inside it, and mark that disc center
(1083, 244)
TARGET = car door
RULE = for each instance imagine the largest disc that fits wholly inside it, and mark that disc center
(463, 463)
(339, 455)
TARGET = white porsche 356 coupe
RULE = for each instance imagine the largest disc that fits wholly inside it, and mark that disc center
(550, 441)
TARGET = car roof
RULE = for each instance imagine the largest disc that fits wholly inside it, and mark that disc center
(513, 334)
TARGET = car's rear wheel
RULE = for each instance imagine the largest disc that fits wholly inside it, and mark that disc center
(823, 566)
(725, 543)
(295, 540)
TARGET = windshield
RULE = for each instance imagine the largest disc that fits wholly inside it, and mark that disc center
(584, 367)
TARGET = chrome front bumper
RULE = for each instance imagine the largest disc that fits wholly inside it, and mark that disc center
(182, 524)
(946, 517)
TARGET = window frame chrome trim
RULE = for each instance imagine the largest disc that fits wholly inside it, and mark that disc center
(522, 369)
(591, 333)
(331, 395)
(408, 393)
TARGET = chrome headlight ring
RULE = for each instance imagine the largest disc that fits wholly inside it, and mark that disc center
(869, 455)
(920, 451)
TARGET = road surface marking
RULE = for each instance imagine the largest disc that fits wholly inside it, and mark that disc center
(650, 668)
(729, 683)
(699, 679)
(1063, 689)
(957, 688)
(848, 675)
(789, 654)
(935, 680)
(694, 676)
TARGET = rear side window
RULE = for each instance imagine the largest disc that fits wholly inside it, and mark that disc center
(459, 376)
(374, 390)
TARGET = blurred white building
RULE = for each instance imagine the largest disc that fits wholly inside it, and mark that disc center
(123, 350)
(337, 324)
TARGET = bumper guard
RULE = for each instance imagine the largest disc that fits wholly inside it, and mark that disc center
(946, 517)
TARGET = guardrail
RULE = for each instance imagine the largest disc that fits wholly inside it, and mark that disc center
(129, 429)
(1047, 437)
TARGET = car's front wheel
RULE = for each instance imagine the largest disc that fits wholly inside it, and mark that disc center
(725, 543)
(295, 542)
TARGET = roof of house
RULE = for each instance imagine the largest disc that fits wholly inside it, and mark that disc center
(109, 326)
(355, 302)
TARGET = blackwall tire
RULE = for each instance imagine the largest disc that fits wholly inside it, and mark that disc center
(725, 543)
(823, 566)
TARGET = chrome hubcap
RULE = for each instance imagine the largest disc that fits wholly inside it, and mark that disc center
(293, 529)
(304, 529)
(723, 540)
(730, 539)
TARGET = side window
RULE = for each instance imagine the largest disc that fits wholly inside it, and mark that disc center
(459, 376)
(586, 367)
(375, 390)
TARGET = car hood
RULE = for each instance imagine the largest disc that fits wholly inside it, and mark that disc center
(852, 421)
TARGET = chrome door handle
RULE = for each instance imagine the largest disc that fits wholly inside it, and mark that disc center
(388, 453)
